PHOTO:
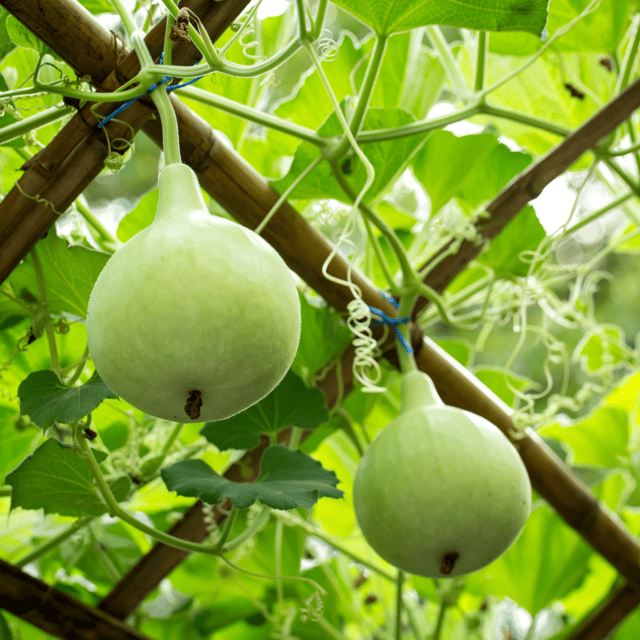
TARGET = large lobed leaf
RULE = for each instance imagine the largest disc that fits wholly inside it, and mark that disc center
(391, 16)
(56, 478)
(69, 274)
(290, 404)
(288, 479)
(46, 400)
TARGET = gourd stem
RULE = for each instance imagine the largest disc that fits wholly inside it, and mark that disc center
(170, 137)
(407, 362)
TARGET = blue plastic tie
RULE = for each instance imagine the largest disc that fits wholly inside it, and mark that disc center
(392, 322)
(122, 107)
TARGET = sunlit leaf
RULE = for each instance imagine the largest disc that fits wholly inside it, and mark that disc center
(388, 17)
(69, 274)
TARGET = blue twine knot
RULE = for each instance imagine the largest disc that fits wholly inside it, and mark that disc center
(127, 104)
(392, 322)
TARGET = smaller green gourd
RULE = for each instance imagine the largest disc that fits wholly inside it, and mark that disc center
(440, 491)
(196, 318)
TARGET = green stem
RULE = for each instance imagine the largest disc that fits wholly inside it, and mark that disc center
(170, 135)
(258, 523)
(302, 20)
(408, 274)
(116, 510)
(368, 84)
(92, 221)
(629, 59)
(419, 128)
(228, 527)
(523, 118)
(364, 96)
(623, 176)
(115, 96)
(399, 585)
(36, 121)
(406, 359)
(249, 18)
(347, 427)
(173, 436)
(44, 302)
(253, 115)
(481, 61)
(319, 21)
(296, 435)
(278, 562)
(449, 63)
(296, 521)
(621, 152)
(197, 39)
(380, 257)
(440, 621)
(287, 192)
(79, 368)
(5, 492)
(125, 16)
(230, 68)
(54, 542)
(583, 222)
(470, 110)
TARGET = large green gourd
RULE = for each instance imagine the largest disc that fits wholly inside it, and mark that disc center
(441, 491)
(196, 318)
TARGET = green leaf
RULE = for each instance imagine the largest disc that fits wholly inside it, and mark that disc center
(508, 251)
(6, 118)
(503, 386)
(22, 37)
(601, 350)
(389, 159)
(600, 31)
(411, 76)
(472, 168)
(539, 91)
(602, 439)
(287, 479)
(308, 103)
(547, 562)
(386, 17)
(325, 335)
(223, 613)
(16, 440)
(46, 400)
(5, 631)
(120, 488)
(55, 478)
(142, 216)
(69, 273)
(291, 403)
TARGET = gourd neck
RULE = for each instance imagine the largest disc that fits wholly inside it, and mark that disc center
(418, 390)
(179, 192)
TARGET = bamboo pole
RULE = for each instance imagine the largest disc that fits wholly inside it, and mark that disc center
(56, 612)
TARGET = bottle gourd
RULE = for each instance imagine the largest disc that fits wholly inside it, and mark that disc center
(196, 318)
(440, 491)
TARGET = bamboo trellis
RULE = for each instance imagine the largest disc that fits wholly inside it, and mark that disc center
(59, 173)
